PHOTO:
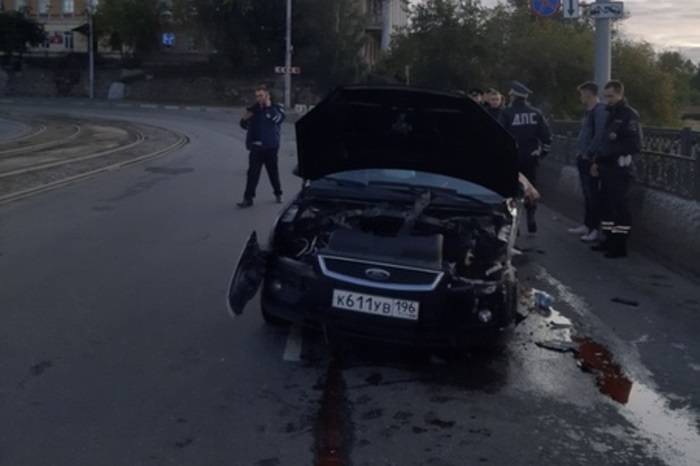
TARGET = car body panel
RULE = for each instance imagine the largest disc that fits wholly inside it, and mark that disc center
(406, 128)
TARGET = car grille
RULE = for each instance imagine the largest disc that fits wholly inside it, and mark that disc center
(379, 274)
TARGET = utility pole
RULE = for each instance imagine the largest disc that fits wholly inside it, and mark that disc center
(602, 61)
(91, 46)
(288, 60)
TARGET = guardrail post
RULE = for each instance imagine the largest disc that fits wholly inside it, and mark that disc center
(687, 150)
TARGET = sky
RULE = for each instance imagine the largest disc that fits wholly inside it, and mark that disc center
(666, 25)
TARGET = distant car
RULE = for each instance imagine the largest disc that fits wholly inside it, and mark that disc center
(402, 229)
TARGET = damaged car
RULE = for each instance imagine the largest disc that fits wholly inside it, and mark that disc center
(404, 227)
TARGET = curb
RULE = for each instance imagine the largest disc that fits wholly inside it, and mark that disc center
(664, 225)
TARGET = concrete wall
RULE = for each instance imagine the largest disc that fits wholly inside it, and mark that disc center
(664, 225)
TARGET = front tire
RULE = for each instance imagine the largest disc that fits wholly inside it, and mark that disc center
(270, 319)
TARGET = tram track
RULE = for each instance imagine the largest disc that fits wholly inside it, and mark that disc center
(62, 150)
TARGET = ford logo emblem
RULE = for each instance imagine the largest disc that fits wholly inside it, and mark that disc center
(377, 274)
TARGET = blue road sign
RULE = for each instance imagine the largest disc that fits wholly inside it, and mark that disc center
(545, 8)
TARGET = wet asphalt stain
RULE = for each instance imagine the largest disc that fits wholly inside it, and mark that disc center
(169, 170)
(330, 447)
(184, 442)
(40, 368)
(627, 302)
(268, 462)
(102, 208)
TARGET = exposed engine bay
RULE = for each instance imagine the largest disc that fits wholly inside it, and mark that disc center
(467, 246)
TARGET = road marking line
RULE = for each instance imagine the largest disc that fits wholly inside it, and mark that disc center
(295, 341)
(172, 107)
(149, 106)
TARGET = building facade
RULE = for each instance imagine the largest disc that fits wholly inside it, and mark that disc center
(66, 25)
(382, 18)
(61, 19)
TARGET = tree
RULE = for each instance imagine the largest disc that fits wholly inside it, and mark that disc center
(17, 33)
(441, 47)
(132, 26)
(328, 38)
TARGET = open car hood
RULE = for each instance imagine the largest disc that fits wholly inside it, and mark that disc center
(359, 127)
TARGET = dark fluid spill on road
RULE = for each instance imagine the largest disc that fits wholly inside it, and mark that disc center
(674, 433)
(330, 447)
(597, 359)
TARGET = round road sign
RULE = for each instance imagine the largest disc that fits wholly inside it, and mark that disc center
(545, 8)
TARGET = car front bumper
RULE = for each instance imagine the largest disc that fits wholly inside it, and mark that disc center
(449, 315)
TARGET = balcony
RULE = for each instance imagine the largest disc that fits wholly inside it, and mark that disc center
(373, 22)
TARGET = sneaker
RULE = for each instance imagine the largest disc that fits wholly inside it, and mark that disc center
(591, 237)
(279, 199)
(582, 230)
(245, 204)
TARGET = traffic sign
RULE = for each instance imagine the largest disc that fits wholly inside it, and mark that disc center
(570, 9)
(607, 10)
(285, 70)
(545, 8)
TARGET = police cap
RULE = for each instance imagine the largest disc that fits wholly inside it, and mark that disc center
(519, 89)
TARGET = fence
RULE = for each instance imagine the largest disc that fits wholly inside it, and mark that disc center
(670, 160)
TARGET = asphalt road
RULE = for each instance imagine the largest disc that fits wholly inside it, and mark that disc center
(116, 347)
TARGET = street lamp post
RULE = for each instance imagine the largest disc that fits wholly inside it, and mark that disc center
(91, 51)
(288, 59)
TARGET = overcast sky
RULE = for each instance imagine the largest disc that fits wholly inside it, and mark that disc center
(667, 25)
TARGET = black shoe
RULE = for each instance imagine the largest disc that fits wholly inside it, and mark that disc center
(531, 223)
(602, 246)
(615, 253)
(245, 204)
(618, 247)
(279, 199)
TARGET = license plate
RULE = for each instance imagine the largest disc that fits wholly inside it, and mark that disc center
(377, 305)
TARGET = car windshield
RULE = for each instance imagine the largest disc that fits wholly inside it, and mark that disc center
(411, 178)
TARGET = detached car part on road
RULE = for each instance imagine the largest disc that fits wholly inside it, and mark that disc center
(402, 230)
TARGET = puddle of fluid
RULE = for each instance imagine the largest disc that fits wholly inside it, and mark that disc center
(674, 433)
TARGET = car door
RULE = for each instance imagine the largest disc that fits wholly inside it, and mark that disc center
(247, 276)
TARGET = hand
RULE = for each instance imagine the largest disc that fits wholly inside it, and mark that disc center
(594, 170)
(268, 101)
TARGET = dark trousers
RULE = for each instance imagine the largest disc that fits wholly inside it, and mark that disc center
(615, 215)
(256, 159)
(528, 167)
(590, 187)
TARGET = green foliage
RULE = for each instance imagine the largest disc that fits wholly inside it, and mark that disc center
(455, 44)
(17, 32)
(132, 26)
(648, 87)
(328, 39)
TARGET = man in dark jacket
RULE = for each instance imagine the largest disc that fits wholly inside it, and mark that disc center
(530, 129)
(622, 141)
(263, 124)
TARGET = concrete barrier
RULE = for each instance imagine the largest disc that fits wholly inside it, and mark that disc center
(664, 225)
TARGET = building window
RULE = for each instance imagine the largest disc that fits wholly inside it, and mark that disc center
(68, 40)
(68, 7)
(191, 44)
(20, 4)
(44, 7)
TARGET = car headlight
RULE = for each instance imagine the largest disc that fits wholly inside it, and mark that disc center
(290, 214)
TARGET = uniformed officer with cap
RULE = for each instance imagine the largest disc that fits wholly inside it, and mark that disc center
(621, 142)
(531, 130)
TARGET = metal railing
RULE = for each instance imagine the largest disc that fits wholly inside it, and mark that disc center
(670, 160)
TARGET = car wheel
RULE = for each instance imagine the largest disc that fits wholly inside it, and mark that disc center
(271, 319)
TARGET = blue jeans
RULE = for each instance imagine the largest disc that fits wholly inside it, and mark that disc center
(590, 187)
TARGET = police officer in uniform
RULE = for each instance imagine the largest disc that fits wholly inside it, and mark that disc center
(622, 140)
(530, 129)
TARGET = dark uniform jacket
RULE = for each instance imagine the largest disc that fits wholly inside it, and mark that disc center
(264, 126)
(622, 135)
(530, 129)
